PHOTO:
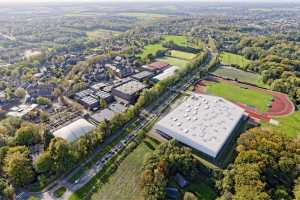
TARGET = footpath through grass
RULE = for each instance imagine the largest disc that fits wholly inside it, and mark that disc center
(235, 93)
(124, 184)
(233, 59)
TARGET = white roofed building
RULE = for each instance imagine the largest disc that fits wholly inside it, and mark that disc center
(202, 122)
(74, 130)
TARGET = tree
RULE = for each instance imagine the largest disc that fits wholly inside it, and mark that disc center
(43, 101)
(44, 117)
(103, 104)
(43, 163)
(18, 168)
(6, 190)
(20, 92)
(189, 196)
(28, 135)
(61, 154)
(296, 189)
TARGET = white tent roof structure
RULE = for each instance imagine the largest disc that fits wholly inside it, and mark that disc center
(203, 122)
(166, 74)
(74, 130)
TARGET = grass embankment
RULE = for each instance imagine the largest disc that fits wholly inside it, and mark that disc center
(235, 93)
(125, 182)
(233, 59)
(240, 75)
(289, 125)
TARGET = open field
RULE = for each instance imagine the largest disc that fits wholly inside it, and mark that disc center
(230, 58)
(124, 184)
(235, 93)
(151, 49)
(143, 15)
(174, 61)
(101, 34)
(289, 125)
(247, 77)
(182, 55)
(177, 39)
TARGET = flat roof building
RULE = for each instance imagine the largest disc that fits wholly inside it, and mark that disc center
(202, 122)
(98, 86)
(90, 103)
(129, 91)
(103, 95)
(83, 93)
(74, 130)
(156, 66)
(142, 75)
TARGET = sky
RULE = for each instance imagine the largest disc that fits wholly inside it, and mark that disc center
(40, 1)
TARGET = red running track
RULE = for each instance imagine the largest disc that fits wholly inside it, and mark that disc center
(281, 105)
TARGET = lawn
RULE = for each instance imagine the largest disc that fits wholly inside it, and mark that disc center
(177, 39)
(182, 55)
(101, 34)
(289, 125)
(230, 58)
(235, 93)
(232, 73)
(151, 49)
(124, 184)
(174, 61)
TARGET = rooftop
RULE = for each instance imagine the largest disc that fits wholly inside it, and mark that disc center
(156, 65)
(74, 130)
(167, 73)
(142, 75)
(89, 100)
(99, 86)
(21, 110)
(102, 94)
(131, 87)
(203, 122)
(84, 93)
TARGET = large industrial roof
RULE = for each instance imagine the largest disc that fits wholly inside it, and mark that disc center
(74, 130)
(203, 122)
(131, 87)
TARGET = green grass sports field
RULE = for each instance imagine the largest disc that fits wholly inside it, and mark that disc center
(230, 58)
(151, 49)
(182, 55)
(247, 77)
(174, 61)
(235, 93)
